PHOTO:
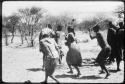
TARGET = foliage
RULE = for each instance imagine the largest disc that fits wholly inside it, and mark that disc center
(30, 22)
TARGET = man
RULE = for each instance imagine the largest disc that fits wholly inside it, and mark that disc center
(111, 39)
(120, 44)
(105, 49)
(47, 30)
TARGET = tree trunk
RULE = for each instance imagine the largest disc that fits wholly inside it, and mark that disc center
(21, 34)
(32, 41)
(22, 39)
(26, 40)
(12, 35)
(6, 38)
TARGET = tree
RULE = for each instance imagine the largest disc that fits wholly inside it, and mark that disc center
(119, 12)
(12, 22)
(56, 20)
(31, 18)
(5, 29)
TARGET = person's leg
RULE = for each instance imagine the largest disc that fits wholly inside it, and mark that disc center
(46, 77)
(112, 55)
(43, 67)
(71, 71)
(54, 79)
(118, 58)
(99, 60)
(79, 73)
(107, 73)
(118, 63)
(102, 70)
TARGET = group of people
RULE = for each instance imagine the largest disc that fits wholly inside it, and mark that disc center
(52, 53)
(112, 48)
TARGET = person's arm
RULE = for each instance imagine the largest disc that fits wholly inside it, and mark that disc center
(56, 46)
(40, 36)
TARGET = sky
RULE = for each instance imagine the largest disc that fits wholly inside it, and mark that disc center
(79, 9)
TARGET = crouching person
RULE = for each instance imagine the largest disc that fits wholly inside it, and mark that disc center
(50, 51)
(105, 50)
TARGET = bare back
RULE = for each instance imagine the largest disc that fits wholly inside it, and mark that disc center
(101, 41)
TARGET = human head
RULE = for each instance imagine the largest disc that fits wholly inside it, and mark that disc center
(46, 35)
(59, 27)
(49, 26)
(70, 39)
(110, 24)
(96, 28)
(121, 24)
(70, 29)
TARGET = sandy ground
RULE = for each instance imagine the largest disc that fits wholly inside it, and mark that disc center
(20, 64)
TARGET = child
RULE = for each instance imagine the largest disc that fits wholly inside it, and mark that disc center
(105, 49)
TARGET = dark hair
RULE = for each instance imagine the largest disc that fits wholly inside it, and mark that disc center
(49, 25)
(110, 23)
(59, 28)
(96, 28)
(121, 24)
(45, 35)
(71, 29)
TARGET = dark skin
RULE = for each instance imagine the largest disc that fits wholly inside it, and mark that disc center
(102, 44)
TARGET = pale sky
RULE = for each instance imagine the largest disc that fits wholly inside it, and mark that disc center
(77, 8)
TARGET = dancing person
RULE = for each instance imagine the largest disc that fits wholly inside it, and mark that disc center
(105, 50)
(51, 53)
(47, 30)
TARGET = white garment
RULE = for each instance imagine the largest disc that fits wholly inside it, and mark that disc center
(47, 31)
(52, 47)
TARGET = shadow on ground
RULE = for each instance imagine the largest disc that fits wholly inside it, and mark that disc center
(34, 69)
(82, 77)
(112, 71)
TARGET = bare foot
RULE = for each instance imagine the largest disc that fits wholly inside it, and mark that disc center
(44, 82)
(107, 76)
(78, 74)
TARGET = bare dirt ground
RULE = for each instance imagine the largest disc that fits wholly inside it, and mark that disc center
(20, 63)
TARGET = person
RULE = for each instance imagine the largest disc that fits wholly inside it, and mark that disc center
(57, 33)
(47, 30)
(111, 39)
(105, 50)
(51, 53)
(70, 29)
(120, 44)
(73, 57)
(58, 41)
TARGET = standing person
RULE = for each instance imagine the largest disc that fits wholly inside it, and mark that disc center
(50, 51)
(120, 44)
(58, 33)
(105, 50)
(58, 41)
(111, 39)
(47, 30)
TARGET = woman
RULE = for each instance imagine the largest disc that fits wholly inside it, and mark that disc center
(50, 51)
(73, 57)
